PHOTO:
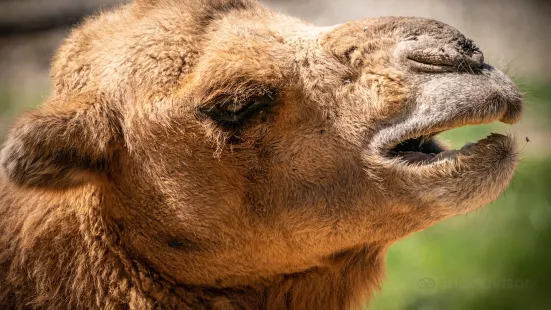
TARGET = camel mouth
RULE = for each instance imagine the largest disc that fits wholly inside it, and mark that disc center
(446, 102)
(419, 150)
(426, 149)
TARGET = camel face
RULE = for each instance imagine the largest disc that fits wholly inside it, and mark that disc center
(297, 144)
(260, 145)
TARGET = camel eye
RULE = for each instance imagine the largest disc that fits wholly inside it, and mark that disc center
(234, 113)
(234, 107)
(240, 106)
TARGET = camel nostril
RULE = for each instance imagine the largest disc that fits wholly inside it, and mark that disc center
(478, 57)
(434, 56)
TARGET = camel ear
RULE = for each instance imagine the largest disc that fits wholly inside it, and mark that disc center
(61, 145)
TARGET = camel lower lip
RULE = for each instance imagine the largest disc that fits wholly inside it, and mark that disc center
(428, 158)
(485, 168)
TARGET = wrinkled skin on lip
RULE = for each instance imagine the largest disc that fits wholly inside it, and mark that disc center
(137, 139)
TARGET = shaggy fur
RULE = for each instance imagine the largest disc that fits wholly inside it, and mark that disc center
(218, 155)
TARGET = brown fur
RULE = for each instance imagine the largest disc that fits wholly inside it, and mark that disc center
(124, 191)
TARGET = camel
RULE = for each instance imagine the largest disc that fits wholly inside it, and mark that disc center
(215, 154)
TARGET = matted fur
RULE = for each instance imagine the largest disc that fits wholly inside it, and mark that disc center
(124, 191)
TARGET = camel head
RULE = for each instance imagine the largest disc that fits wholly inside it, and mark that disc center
(229, 144)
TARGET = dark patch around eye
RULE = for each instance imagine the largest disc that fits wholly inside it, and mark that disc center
(228, 119)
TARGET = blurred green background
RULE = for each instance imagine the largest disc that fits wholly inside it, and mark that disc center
(498, 257)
